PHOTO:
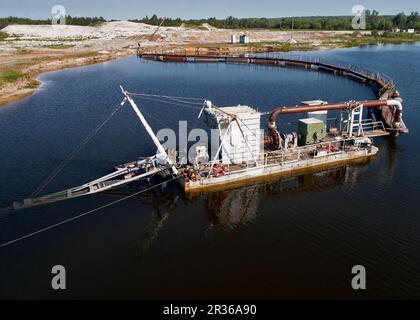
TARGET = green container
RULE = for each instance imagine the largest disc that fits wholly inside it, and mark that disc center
(310, 131)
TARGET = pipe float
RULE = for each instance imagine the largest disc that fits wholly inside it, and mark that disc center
(391, 113)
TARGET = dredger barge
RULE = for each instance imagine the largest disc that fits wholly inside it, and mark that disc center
(245, 153)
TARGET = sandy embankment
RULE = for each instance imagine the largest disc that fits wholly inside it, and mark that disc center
(36, 49)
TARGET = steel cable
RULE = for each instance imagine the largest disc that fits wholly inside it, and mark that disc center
(75, 151)
(84, 214)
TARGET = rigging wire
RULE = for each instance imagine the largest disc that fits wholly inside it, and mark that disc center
(163, 96)
(173, 98)
(85, 213)
(172, 103)
(179, 101)
(60, 167)
(75, 151)
(183, 101)
(149, 114)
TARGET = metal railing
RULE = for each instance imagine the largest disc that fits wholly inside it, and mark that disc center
(285, 157)
(348, 67)
(369, 126)
(333, 63)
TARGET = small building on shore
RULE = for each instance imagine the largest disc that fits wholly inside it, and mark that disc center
(233, 39)
(244, 38)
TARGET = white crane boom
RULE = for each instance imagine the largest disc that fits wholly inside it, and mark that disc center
(150, 132)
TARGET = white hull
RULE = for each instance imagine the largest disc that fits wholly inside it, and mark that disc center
(260, 172)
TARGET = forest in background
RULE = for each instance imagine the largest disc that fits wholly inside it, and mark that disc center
(374, 21)
(77, 21)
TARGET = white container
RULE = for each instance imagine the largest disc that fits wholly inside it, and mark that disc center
(244, 39)
(237, 147)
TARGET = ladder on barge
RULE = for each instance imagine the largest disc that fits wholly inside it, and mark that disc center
(142, 169)
(110, 181)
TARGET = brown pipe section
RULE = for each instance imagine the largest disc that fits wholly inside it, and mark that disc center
(274, 140)
(337, 106)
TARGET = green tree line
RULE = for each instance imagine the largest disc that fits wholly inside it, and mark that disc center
(79, 21)
(374, 21)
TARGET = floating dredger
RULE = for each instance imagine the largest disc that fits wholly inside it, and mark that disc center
(246, 154)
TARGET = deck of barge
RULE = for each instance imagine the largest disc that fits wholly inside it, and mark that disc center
(243, 175)
(329, 152)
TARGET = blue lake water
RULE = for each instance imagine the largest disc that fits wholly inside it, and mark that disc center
(292, 238)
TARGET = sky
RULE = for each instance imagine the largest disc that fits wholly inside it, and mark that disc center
(190, 9)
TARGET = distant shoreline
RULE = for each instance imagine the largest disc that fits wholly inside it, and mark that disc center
(35, 50)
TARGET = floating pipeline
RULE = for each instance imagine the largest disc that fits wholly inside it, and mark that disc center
(382, 85)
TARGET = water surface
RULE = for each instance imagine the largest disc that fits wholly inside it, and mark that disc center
(294, 238)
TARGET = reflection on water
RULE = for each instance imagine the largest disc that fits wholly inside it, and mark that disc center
(294, 237)
(232, 209)
(157, 220)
